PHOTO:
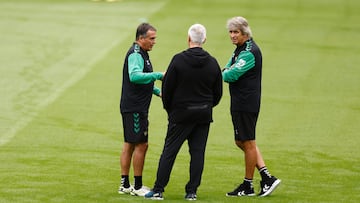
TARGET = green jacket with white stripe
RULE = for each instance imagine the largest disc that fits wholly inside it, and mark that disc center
(243, 73)
(138, 81)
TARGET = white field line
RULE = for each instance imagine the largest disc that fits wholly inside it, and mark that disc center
(23, 121)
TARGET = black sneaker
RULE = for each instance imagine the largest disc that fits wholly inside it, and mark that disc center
(242, 190)
(190, 196)
(268, 186)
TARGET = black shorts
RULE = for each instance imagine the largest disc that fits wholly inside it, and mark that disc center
(244, 125)
(135, 127)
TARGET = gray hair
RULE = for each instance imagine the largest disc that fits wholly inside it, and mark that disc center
(197, 34)
(239, 23)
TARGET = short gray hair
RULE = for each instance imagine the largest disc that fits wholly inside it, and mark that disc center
(239, 23)
(197, 33)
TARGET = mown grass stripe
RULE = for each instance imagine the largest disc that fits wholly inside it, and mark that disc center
(57, 44)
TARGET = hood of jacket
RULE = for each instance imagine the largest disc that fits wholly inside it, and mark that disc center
(196, 57)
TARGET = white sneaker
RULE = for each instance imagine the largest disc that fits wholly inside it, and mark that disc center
(140, 192)
(122, 190)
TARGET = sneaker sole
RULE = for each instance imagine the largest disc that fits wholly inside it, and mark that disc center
(137, 194)
(272, 188)
(154, 198)
(141, 192)
(248, 195)
(124, 192)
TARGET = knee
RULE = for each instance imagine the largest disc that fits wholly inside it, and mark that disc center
(240, 144)
(142, 146)
(246, 145)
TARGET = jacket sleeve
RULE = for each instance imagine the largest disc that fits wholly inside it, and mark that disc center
(244, 62)
(157, 91)
(218, 87)
(168, 85)
(136, 68)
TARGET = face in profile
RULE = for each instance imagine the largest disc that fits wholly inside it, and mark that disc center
(149, 41)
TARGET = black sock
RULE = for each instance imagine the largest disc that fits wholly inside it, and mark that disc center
(265, 174)
(138, 182)
(125, 181)
(248, 182)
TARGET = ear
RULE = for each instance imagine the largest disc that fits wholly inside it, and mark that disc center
(204, 41)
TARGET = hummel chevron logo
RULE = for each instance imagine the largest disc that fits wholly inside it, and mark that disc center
(136, 122)
(136, 127)
(136, 130)
(136, 116)
(242, 193)
(266, 188)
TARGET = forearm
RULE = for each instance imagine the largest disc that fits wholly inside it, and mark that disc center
(245, 62)
(144, 78)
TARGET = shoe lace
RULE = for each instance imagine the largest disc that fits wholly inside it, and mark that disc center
(267, 173)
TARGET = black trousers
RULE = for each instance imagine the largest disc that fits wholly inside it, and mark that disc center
(196, 135)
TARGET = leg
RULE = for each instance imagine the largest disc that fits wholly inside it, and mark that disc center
(138, 166)
(260, 165)
(128, 146)
(139, 158)
(135, 147)
(197, 144)
(260, 161)
(125, 161)
(125, 158)
(140, 129)
(250, 153)
(175, 137)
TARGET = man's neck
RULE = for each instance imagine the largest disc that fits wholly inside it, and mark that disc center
(193, 45)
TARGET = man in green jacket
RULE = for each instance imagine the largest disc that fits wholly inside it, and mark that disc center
(137, 90)
(243, 73)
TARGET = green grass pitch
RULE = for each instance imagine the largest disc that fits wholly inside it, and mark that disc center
(60, 83)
